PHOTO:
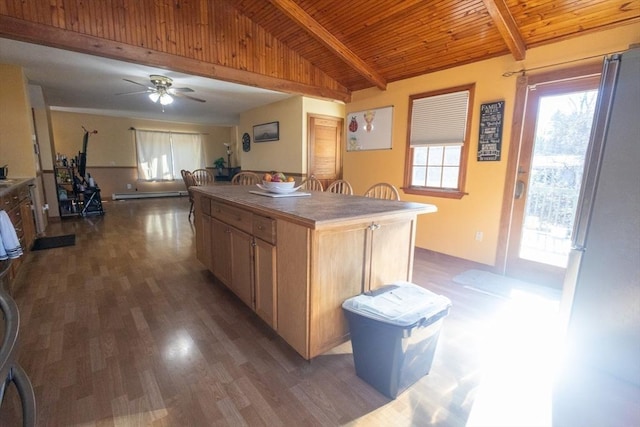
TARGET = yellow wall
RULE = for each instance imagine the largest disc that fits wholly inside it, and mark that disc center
(111, 153)
(114, 144)
(283, 155)
(452, 230)
(289, 153)
(16, 126)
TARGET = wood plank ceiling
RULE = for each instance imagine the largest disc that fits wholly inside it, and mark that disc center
(325, 48)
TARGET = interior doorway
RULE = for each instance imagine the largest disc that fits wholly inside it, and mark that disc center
(324, 150)
(555, 115)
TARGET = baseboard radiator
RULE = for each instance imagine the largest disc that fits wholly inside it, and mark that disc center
(147, 194)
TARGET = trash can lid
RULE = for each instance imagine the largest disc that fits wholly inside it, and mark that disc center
(400, 304)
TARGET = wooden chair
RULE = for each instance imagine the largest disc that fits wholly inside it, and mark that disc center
(246, 178)
(202, 176)
(312, 184)
(340, 186)
(189, 181)
(383, 190)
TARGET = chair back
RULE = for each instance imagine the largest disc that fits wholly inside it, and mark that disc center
(340, 186)
(189, 181)
(188, 178)
(312, 184)
(383, 190)
(202, 176)
(246, 178)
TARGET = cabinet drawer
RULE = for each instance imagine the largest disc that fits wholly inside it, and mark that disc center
(238, 218)
(264, 228)
(10, 201)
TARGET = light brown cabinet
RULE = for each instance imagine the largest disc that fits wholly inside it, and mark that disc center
(265, 280)
(296, 271)
(340, 262)
(202, 220)
(238, 248)
(16, 201)
(221, 251)
(241, 248)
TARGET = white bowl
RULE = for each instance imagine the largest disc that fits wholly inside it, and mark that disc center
(278, 185)
(279, 189)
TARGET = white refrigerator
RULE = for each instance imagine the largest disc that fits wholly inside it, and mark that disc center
(601, 293)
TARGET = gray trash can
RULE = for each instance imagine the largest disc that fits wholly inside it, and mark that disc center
(394, 332)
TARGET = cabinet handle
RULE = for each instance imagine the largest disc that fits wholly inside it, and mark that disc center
(260, 228)
(374, 226)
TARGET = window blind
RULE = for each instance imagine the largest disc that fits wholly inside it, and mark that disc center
(439, 119)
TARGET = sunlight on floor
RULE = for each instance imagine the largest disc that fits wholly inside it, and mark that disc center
(519, 361)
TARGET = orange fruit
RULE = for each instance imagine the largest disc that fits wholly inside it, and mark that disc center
(290, 179)
(267, 177)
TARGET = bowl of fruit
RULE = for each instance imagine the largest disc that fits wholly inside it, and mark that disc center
(277, 182)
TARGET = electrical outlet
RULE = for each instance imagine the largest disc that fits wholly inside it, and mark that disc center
(479, 236)
(128, 186)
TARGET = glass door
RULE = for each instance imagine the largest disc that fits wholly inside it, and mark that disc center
(557, 125)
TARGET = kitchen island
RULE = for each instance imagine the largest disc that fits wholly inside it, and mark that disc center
(294, 260)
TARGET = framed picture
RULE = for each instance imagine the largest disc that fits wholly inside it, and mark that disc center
(266, 132)
(370, 129)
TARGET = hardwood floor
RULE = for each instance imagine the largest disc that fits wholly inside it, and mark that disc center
(127, 328)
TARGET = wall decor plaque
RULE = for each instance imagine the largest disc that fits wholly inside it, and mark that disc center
(490, 138)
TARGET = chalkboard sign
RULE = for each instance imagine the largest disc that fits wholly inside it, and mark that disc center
(490, 139)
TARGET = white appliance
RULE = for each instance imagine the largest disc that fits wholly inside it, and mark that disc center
(602, 284)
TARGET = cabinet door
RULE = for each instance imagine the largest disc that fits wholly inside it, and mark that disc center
(265, 282)
(337, 274)
(203, 240)
(241, 265)
(202, 221)
(28, 224)
(221, 251)
(391, 260)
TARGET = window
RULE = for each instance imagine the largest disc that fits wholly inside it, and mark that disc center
(438, 142)
(162, 155)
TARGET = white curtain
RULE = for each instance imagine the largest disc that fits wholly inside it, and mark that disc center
(162, 155)
(187, 152)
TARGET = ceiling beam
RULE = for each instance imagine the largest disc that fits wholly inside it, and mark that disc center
(507, 27)
(30, 32)
(313, 27)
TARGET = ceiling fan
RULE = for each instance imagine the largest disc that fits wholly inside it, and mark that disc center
(162, 90)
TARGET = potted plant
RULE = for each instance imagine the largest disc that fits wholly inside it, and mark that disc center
(219, 164)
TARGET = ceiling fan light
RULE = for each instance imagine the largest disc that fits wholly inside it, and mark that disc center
(154, 96)
(166, 99)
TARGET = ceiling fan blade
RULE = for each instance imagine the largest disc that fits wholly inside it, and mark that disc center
(136, 83)
(136, 92)
(182, 95)
(181, 89)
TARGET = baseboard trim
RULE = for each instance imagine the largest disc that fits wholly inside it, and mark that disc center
(147, 195)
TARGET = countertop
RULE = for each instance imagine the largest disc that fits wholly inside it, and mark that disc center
(7, 185)
(318, 210)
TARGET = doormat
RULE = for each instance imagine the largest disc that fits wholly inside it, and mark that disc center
(42, 243)
(501, 286)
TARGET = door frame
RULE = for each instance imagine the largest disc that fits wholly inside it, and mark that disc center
(516, 138)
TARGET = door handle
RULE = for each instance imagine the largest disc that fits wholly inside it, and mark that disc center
(519, 189)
